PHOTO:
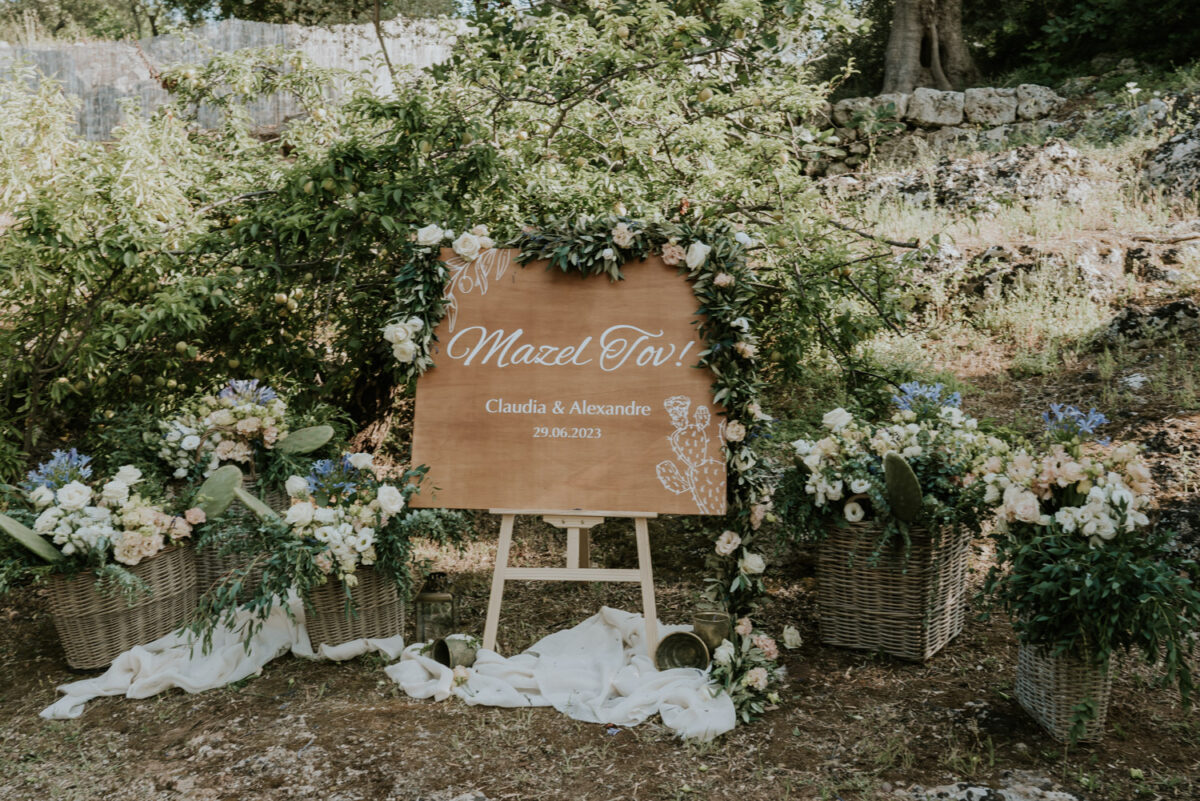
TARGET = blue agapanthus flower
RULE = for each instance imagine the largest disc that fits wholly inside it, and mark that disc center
(921, 398)
(329, 477)
(1064, 420)
(248, 391)
(62, 468)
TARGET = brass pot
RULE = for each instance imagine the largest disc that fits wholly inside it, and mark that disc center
(683, 649)
(454, 651)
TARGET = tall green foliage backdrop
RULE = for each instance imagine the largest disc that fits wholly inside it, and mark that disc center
(176, 257)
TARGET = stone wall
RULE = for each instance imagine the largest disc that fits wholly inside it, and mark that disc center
(102, 74)
(900, 125)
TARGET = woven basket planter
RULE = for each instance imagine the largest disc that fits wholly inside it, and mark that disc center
(1049, 687)
(908, 606)
(378, 610)
(211, 567)
(94, 628)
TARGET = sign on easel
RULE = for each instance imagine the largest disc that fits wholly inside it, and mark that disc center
(552, 391)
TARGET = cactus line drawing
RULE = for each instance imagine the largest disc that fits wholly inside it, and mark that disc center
(696, 470)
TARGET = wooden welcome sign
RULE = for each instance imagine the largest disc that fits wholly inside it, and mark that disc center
(552, 391)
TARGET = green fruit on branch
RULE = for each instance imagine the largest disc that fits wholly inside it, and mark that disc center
(903, 487)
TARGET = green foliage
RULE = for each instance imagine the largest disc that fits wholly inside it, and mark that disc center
(903, 487)
(1092, 602)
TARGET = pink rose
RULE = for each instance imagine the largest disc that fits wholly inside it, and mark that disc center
(723, 279)
(195, 516)
(743, 627)
(767, 646)
(672, 254)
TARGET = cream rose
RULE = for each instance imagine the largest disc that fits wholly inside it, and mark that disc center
(734, 431)
(467, 245)
(728, 543)
(752, 563)
(128, 475)
(362, 461)
(837, 419)
(73, 496)
(300, 514)
(430, 235)
(622, 236)
(697, 252)
(391, 500)
(396, 333)
(404, 351)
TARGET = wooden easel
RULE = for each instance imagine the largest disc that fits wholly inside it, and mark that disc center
(578, 567)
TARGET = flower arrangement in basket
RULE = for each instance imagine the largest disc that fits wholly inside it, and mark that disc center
(344, 544)
(1081, 573)
(893, 507)
(235, 425)
(117, 578)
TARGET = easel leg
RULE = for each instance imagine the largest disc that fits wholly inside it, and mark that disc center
(493, 613)
(649, 609)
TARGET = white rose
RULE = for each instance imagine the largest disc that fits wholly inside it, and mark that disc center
(115, 492)
(735, 431)
(486, 242)
(362, 461)
(324, 515)
(414, 325)
(480, 230)
(128, 475)
(853, 511)
(859, 485)
(467, 246)
(391, 500)
(724, 653)
(47, 521)
(190, 443)
(296, 486)
(223, 417)
(752, 563)
(697, 252)
(41, 496)
(74, 496)
(743, 238)
(727, 543)
(180, 472)
(791, 637)
(300, 514)
(837, 419)
(430, 235)
(396, 333)
(404, 352)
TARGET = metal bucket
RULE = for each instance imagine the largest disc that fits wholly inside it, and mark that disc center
(683, 649)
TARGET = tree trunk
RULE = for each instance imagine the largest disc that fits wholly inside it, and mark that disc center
(926, 47)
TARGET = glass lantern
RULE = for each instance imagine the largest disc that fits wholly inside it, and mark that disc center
(436, 610)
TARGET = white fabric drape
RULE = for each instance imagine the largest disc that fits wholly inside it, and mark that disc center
(597, 672)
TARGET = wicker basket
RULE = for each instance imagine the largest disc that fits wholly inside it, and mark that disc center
(94, 628)
(907, 606)
(211, 567)
(378, 610)
(1049, 687)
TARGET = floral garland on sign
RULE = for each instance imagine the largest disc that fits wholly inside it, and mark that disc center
(714, 260)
